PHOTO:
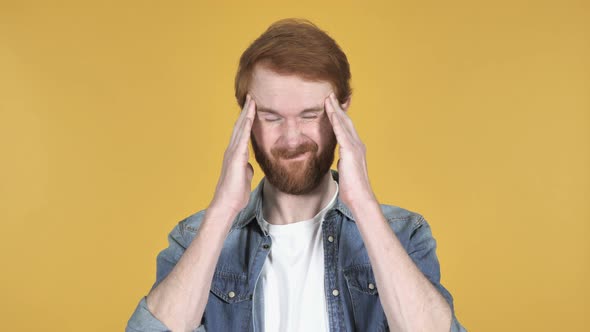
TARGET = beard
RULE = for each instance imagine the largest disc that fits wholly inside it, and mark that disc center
(297, 177)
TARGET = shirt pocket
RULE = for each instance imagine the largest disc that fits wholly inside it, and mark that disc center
(228, 307)
(361, 278)
(364, 294)
(230, 287)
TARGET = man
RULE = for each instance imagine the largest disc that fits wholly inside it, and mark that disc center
(310, 249)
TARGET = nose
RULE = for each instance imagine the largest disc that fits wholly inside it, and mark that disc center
(292, 134)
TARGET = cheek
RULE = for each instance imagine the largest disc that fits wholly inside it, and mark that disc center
(319, 132)
(325, 128)
(328, 138)
(315, 131)
(325, 124)
(264, 136)
(256, 128)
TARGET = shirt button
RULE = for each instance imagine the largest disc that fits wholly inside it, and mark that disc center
(265, 246)
(335, 292)
(231, 295)
(371, 286)
(331, 238)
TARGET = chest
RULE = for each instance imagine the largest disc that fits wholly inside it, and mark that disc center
(337, 255)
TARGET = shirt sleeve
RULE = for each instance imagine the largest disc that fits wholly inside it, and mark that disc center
(423, 253)
(142, 320)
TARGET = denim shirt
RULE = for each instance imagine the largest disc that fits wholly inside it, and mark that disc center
(352, 295)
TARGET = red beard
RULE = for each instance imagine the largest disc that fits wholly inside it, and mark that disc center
(296, 177)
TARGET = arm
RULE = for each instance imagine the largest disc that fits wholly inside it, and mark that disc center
(410, 301)
(178, 301)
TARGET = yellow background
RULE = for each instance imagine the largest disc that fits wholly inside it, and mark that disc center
(114, 116)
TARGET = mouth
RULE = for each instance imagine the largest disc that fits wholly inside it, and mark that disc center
(300, 156)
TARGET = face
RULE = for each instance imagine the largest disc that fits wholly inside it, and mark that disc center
(292, 137)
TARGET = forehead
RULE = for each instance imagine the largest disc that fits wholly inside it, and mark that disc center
(286, 93)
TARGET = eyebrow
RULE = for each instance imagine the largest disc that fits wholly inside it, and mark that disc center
(316, 109)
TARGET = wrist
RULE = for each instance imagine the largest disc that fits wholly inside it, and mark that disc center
(220, 214)
(364, 205)
(221, 206)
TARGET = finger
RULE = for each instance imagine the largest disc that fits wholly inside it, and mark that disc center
(244, 134)
(341, 135)
(340, 115)
(245, 106)
(347, 121)
(240, 121)
(251, 110)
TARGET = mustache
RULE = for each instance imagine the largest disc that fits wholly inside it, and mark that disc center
(279, 152)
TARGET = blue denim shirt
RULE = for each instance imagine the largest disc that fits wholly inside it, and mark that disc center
(356, 305)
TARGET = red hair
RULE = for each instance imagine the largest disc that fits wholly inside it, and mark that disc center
(295, 47)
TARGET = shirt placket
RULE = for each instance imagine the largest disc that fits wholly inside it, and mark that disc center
(332, 292)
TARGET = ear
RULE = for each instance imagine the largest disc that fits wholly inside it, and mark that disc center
(346, 104)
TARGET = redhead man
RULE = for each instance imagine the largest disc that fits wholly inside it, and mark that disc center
(311, 248)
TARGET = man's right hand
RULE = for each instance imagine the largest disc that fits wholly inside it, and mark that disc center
(233, 188)
(180, 298)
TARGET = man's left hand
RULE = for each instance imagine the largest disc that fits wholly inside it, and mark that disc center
(354, 186)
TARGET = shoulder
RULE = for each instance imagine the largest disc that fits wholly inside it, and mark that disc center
(395, 214)
(405, 223)
(192, 222)
(185, 230)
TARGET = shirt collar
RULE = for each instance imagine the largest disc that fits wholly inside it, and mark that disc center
(254, 207)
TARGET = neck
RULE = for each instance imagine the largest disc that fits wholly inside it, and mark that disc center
(280, 208)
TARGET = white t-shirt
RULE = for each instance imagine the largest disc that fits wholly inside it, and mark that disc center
(292, 278)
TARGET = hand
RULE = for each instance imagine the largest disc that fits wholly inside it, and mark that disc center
(354, 185)
(233, 188)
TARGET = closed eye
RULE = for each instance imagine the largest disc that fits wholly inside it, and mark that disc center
(311, 115)
(271, 118)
